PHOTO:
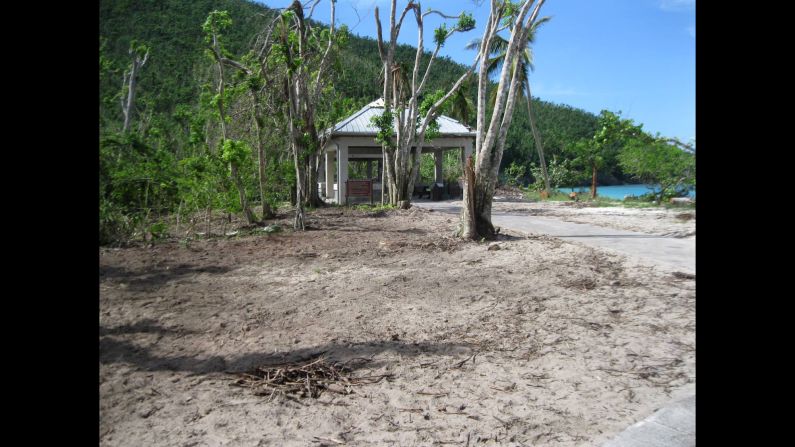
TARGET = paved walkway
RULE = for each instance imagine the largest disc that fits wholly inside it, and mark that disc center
(665, 251)
(671, 426)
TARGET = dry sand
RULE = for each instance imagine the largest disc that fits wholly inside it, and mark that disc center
(676, 222)
(539, 342)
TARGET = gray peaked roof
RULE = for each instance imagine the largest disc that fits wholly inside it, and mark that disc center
(359, 123)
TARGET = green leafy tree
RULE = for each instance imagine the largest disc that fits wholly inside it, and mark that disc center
(560, 174)
(666, 162)
(216, 23)
(306, 54)
(612, 134)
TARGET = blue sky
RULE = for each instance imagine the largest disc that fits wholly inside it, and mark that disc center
(636, 56)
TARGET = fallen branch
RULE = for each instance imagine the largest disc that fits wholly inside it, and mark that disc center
(307, 379)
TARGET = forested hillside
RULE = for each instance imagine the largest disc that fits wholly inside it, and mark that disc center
(178, 65)
(153, 167)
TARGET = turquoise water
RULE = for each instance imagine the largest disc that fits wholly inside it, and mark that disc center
(618, 191)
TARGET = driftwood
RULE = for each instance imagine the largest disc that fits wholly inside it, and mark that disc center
(304, 379)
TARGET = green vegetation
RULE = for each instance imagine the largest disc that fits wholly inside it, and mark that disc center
(375, 208)
(662, 162)
(535, 195)
(190, 146)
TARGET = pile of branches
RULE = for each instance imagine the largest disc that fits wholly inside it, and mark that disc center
(304, 379)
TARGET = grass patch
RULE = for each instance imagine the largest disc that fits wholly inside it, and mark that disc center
(373, 208)
(535, 196)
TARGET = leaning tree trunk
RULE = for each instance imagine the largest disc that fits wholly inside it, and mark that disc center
(488, 162)
(537, 138)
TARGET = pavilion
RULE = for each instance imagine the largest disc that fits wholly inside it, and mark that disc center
(353, 139)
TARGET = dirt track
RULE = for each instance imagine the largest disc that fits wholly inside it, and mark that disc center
(540, 342)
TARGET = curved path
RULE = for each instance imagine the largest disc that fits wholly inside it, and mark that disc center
(664, 251)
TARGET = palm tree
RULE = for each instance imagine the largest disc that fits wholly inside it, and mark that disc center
(499, 48)
(461, 104)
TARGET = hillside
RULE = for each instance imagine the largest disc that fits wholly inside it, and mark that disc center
(173, 30)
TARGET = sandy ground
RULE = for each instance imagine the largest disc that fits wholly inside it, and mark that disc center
(676, 222)
(539, 342)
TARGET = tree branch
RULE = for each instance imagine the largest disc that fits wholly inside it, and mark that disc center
(379, 39)
(433, 11)
(236, 64)
(324, 60)
(435, 107)
(312, 11)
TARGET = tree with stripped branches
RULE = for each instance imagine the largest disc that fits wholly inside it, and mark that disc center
(403, 126)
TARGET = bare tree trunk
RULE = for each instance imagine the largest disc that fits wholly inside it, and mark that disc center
(313, 196)
(490, 140)
(593, 181)
(537, 138)
(301, 101)
(267, 212)
(383, 176)
(129, 105)
(300, 213)
(406, 147)
(468, 229)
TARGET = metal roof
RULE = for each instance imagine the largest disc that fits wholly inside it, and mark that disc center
(359, 123)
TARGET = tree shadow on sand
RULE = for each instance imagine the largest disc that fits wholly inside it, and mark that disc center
(151, 278)
(144, 326)
(113, 350)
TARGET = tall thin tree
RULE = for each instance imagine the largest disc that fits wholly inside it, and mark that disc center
(140, 54)
(233, 151)
(490, 139)
(499, 47)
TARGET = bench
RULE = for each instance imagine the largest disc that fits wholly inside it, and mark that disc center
(421, 190)
(454, 189)
(359, 188)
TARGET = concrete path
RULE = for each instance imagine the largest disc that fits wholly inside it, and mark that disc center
(671, 426)
(665, 251)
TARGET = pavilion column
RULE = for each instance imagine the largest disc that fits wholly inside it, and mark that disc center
(329, 174)
(438, 158)
(342, 171)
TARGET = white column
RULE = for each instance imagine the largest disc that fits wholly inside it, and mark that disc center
(329, 174)
(342, 171)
